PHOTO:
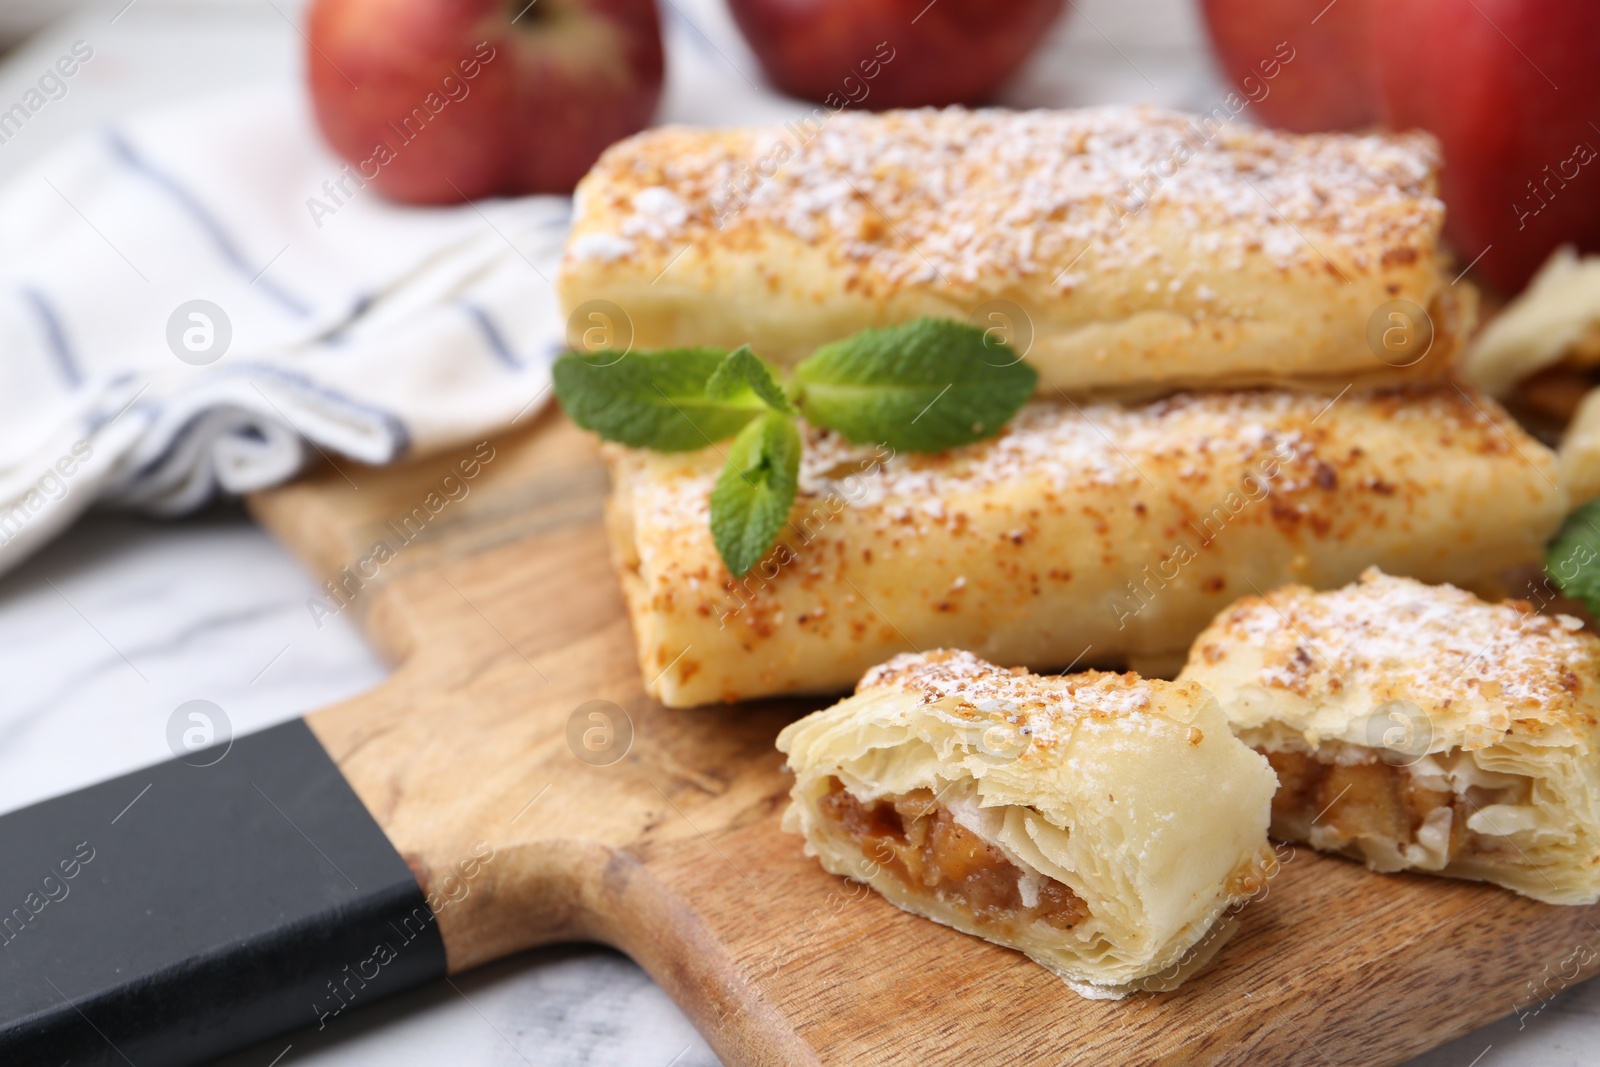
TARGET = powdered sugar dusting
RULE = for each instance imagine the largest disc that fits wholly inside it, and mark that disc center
(1067, 445)
(606, 247)
(1434, 644)
(1061, 447)
(658, 213)
(955, 197)
(1044, 708)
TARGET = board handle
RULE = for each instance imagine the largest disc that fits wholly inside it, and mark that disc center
(195, 907)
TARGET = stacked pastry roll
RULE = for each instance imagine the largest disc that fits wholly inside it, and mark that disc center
(1143, 251)
(1092, 532)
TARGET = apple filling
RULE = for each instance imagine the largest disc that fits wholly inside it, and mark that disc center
(920, 843)
(1425, 815)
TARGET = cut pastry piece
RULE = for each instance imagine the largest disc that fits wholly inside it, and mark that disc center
(1090, 533)
(1580, 451)
(1122, 249)
(1555, 320)
(1420, 728)
(1103, 824)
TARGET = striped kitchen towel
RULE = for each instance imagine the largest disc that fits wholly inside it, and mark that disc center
(202, 299)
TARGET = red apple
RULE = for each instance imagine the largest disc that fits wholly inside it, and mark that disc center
(436, 100)
(1512, 90)
(1328, 84)
(893, 53)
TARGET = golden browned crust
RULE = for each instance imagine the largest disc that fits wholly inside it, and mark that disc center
(1145, 246)
(1477, 670)
(1105, 531)
(1043, 709)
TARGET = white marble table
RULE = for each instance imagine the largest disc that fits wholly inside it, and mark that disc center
(107, 631)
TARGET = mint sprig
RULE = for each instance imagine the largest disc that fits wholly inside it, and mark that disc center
(923, 386)
(743, 371)
(755, 491)
(1573, 559)
(926, 386)
(654, 400)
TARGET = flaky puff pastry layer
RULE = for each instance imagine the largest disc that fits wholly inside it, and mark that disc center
(1097, 533)
(1130, 792)
(1490, 711)
(1129, 251)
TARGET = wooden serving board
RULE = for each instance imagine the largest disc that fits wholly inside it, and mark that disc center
(503, 617)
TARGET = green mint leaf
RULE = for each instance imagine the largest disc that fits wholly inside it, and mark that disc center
(1573, 558)
(924, 386)
(751, 501)
(744, 372)
(653, 400)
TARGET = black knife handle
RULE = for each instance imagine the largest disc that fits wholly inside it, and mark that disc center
(171, 915)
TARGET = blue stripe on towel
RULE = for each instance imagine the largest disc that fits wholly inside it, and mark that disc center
(55, 335)
(207, 222)
(175, 443)
(399, 433)
(97, 418)
(492, 335)
(336, 334)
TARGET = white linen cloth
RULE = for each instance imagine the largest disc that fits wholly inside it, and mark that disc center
(359, 329)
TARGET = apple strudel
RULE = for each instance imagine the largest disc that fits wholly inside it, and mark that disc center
(1103, 824)
(1124, 250)
(1105, 533)
(1420, 728)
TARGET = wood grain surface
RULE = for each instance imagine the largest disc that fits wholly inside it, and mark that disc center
(499, 609)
